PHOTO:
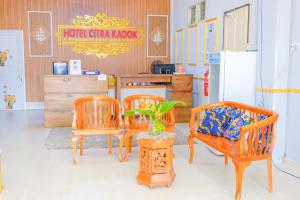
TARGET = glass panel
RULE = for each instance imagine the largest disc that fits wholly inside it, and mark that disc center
(193, 15)
(202, 10)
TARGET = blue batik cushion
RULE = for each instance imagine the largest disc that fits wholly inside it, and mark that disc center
(215, 121)
(238, 119)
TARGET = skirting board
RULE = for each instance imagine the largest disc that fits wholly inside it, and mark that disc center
(291, 166)
(35, 105)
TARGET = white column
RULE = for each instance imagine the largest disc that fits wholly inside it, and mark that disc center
(280, 76)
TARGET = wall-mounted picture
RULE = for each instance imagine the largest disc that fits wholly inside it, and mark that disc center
(210, 38)
(60, 68)
(157, 36)
(40, 33)
(193, 47)
(179, 47)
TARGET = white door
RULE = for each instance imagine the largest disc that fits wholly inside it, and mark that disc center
(12, 82)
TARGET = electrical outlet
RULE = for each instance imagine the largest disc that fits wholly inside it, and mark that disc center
(295, 47)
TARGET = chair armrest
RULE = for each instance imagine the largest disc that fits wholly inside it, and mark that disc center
(252, 138)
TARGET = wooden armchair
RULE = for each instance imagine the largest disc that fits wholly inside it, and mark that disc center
(256, 140)
(96, 116)
(139, 123)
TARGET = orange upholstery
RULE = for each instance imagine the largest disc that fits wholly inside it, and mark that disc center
(96, 116)
(139, 123)
(247, 148)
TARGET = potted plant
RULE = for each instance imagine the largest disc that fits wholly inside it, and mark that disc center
(155, 145)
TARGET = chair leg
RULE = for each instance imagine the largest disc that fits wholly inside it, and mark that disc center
(239, 171)
(74, 142)
(81, 145)
(130, 144)
(270, 174)
(226, 160)
(121, 141)
(127, 145)
(109, 142)
(191, 144)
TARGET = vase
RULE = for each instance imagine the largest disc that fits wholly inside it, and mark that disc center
(156, 161)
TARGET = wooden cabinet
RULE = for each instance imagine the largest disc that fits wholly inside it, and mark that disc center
(60, 92)
(181, 89)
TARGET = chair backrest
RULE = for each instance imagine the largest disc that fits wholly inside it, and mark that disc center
(97, 112)
(139, 101)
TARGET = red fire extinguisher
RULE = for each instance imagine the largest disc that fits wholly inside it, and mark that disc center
(206, 83)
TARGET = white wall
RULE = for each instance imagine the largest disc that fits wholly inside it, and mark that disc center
(214, 8)
(293, 132)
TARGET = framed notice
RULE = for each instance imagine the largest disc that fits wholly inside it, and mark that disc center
(179, 47)
(157, 36)
(60, 68)
(210, 38)
(40, 33)
(193, 45)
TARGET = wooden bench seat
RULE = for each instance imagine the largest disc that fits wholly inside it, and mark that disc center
(249, 147)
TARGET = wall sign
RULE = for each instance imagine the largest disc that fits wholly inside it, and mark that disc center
(40, 33)
(100, 35)
(157, 36)
(210, 38)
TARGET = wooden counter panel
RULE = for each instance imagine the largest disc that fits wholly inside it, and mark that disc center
(182, 114)
(64, 102)
(182, 83)
(163, 79)
(58, 118)
(74, 84)
(187, 97)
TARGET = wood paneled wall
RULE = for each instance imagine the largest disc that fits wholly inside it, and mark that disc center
(13, 15)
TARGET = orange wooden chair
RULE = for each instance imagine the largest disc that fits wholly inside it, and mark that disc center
(253, 143)
(96, 115)
(139, 123)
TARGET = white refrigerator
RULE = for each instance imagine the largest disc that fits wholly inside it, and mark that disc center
(232, 77)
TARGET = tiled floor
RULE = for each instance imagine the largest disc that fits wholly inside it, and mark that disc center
(31, 172)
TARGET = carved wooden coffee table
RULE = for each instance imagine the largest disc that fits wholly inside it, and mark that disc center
(156, 162)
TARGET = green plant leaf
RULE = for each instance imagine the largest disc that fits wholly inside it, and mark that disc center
(166, 106)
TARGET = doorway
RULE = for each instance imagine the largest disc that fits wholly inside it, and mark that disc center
(236, 29)
(12, 82)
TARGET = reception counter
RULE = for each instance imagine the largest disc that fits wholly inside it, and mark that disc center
(60, 91)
